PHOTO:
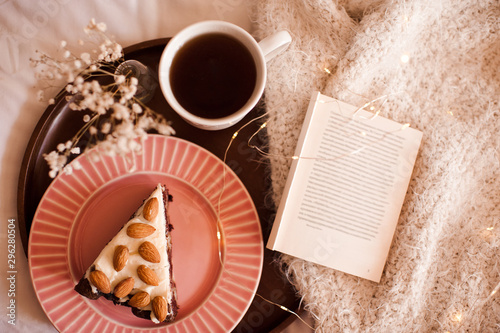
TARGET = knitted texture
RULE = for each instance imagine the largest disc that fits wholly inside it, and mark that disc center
(444, 261)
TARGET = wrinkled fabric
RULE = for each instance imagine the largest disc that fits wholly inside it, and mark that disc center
(435, 65)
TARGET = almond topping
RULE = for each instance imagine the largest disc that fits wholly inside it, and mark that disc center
(100, 281)
(124, 288)
(139, 300)
(150, 209)
(120, 257)
(160, 308)
(147, 275)
(140, 230)
(149, 252)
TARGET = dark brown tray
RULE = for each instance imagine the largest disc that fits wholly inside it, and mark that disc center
(59, 123)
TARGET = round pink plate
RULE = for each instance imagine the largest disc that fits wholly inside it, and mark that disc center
(79, 213)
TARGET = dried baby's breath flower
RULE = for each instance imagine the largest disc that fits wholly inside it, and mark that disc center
(120, 79)
(40, 95)
(101, 27)
(56, 162)
(76, 165)
(68, 169)
(165, 129)
(136, 108)
(114, 119)
(105, 128)
(86, 58)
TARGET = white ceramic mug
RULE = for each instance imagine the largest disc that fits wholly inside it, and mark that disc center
(261, 53)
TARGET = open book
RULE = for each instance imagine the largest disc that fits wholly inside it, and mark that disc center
(345, 189)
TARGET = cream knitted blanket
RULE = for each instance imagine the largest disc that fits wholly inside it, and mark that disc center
(438, 62)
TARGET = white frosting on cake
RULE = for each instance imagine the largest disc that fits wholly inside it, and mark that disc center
(104, 261)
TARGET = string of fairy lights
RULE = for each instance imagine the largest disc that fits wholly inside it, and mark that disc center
(457, 317)
(219, 222)
(375, 106)
(292, 157)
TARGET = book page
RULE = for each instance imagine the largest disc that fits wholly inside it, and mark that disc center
(345, 191)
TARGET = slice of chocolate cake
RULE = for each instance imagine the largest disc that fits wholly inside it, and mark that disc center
(135, 268)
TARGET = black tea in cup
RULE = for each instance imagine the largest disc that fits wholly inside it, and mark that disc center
(213, 75)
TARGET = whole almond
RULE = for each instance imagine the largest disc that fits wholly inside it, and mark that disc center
(160, 308)
(150, 209)
(147, 275)
(124, 287)
(140, 230)
(149, 252)
(120, 257)
(100, 281)
(140, 300)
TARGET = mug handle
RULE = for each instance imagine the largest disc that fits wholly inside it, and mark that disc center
(274, 44)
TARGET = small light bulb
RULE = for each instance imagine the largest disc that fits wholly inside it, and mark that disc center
(295, 157)
(405, 58)
(489, 228)
(327, 70)
(235, 135)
